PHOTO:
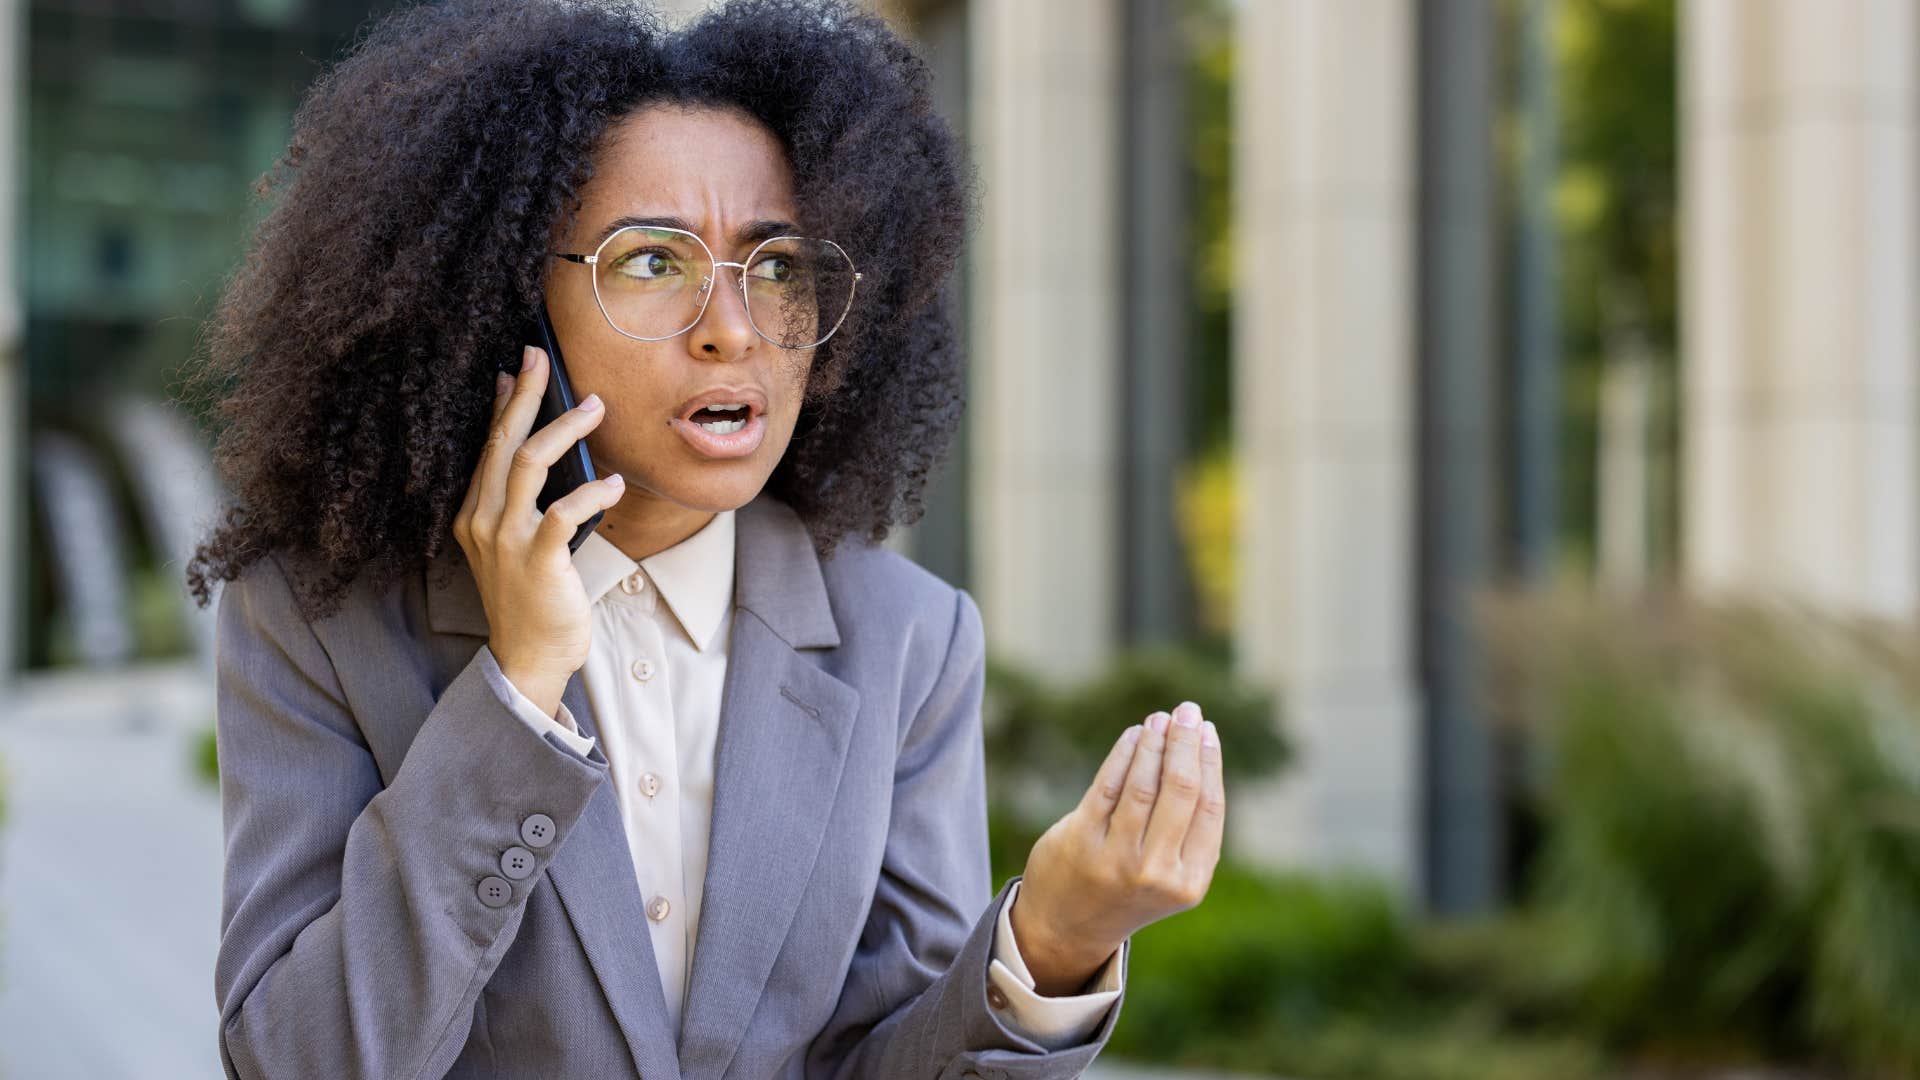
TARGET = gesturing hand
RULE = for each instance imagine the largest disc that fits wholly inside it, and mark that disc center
(1141, 845)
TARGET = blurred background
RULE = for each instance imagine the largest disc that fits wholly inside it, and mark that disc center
(1500, 415)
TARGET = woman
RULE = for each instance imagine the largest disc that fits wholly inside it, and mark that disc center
(483, 798)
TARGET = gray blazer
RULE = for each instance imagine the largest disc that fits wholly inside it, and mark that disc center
(371, 776)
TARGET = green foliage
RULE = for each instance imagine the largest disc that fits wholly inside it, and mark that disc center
(206, 757)
(1260, 951)
(1318, 977)
(1616, 214)
(1731, 814)
(1044, 743)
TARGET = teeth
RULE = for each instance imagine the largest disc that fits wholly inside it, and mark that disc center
(724, 427)
(727, 408)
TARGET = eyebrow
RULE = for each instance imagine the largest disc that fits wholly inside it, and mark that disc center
(751, 233)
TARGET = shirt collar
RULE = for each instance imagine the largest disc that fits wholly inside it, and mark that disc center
(694, 576)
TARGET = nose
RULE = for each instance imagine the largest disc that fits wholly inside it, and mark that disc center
(723, 331)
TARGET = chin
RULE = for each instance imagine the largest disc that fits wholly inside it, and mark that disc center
(714, 496)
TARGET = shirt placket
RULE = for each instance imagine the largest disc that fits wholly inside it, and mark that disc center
(650, 790)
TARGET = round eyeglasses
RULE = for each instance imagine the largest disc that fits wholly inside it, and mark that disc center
(653, 283)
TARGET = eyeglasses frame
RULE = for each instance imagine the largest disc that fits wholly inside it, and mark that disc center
(706, 287)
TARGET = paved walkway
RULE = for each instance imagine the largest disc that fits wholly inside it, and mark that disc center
(110, 861)
(109, 881)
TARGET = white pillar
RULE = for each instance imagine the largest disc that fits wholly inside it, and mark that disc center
(1800, 272)
(1324, 392)
(1043, 351)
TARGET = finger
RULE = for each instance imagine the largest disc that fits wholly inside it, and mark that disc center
(537, 454)
(502, 392)
(1202, 845)
(565, 514)
(1104, 792)
(1142, 787)
(509, 431)
(1179, 784)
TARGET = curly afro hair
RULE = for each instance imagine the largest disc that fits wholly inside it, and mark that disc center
(350, 362)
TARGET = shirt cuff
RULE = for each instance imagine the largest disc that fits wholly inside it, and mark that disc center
(525, 709)
(1054, 1022)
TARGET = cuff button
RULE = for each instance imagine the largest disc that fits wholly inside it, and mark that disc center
(495, 891)
(516, 862)
(537, 831)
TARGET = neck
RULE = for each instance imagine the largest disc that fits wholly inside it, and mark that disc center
(643, 525)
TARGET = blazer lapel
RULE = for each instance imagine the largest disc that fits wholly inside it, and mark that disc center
(592, 873)
(785, 725)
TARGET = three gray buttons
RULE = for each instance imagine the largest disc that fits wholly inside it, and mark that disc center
(536, 831)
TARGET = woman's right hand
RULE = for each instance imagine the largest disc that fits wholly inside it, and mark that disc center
(537, 610)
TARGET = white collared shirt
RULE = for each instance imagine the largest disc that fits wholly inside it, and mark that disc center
(654, 676)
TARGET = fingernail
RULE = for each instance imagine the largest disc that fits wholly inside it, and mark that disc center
(616, 479)
(1132, 735)
(526, 359)
(591, 403)
(1186, 714)
(1209, 736)
(1158, 721)
(502, 383)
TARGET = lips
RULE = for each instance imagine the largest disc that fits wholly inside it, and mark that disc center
(725, 422)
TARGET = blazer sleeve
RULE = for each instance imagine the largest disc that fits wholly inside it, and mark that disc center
(914, 1005)
(354, 934)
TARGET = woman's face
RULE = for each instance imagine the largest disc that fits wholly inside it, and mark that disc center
(724, 177)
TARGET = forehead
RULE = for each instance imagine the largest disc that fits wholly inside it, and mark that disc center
(709, 165)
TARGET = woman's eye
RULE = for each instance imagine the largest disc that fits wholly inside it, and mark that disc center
(648, 265)
(776, 268)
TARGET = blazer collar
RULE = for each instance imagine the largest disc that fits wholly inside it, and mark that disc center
(776, 575)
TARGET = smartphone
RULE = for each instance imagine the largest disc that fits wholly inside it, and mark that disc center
(575, 467)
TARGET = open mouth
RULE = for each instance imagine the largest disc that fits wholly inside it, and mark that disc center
(722, 419)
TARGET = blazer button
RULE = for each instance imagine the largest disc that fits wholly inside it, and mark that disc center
(516, 862)
(658, 908)
(536, 831)
(495, 892)
(996, 997)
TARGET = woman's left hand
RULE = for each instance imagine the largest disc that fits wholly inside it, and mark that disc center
(1140, 846)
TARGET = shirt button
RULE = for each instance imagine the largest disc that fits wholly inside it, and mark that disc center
(633, 583)
(658, 908)
(996, 997)
(649, 784)
(643, 669)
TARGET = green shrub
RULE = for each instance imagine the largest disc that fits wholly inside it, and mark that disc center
(1262, 951)
(1043, 743)
(206, 756)
(1730, 812)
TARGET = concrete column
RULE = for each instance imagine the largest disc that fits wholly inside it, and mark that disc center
(1044, 353)
(1324, 418)
(1801, 269)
